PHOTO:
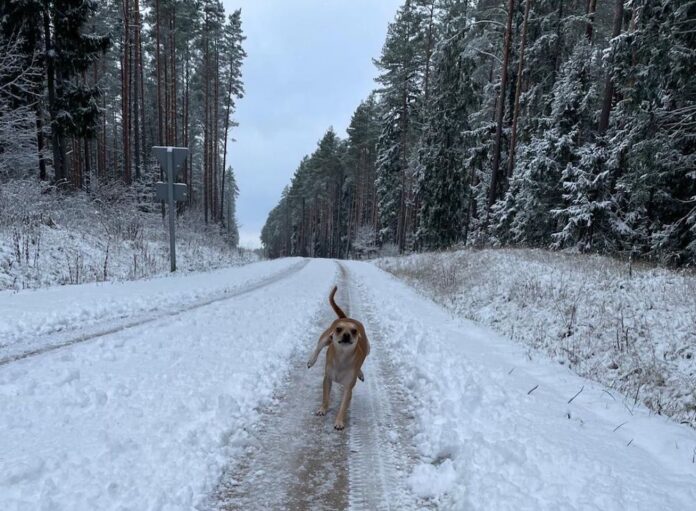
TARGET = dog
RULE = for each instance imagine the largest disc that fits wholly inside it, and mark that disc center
(348, 347)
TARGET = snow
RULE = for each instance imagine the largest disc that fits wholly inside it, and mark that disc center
(632, 329)
(146, 417)
(487, 442)
(29, 317)
(49, 238)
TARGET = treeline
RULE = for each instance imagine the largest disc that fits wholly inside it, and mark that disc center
(88, 87)
(549, 123)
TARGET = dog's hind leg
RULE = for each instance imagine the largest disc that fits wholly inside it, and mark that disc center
(326, 397)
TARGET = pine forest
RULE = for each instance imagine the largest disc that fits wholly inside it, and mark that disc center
(562, 124)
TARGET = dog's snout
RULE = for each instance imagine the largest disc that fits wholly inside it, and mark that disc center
(346, 337)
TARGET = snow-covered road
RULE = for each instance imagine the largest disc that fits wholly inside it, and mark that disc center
(192, 393)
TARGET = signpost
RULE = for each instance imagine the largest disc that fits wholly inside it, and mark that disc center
(171, 158)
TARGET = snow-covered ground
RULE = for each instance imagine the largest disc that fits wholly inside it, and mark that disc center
(499, 431)
(157, 414)
(630, 328)
(48, 238)
(145, 417)
(35, 319)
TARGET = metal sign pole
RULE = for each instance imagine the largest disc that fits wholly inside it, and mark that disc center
(172, 210)
(171, 158)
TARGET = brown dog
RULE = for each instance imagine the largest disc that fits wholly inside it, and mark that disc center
(348, 348)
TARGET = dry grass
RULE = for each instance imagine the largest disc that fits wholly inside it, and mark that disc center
(630, 327)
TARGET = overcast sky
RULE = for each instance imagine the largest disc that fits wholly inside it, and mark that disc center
(309, 65)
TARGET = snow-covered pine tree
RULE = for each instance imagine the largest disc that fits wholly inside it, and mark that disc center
(70, 49)
(230, 205)
(588, 217)
(524, 215)
(653, 131)
(359, 163)
(402, 63)
(443, 181)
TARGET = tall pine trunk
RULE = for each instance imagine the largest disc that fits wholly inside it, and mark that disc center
(609, 84)
(518, 90)
(495, 170)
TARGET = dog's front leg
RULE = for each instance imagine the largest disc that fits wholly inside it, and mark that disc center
(327, 395)
(323, 342)
(345, 403)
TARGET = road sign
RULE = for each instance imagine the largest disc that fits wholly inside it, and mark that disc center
(178, 156)
(171, 159)
(162, 191)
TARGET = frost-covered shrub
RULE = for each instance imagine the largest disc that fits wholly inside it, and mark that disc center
(632, 328)
(49, 237)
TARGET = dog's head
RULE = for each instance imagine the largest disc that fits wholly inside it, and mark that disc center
(345, 335)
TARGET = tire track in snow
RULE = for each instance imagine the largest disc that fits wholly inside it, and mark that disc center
(381, 451)
(54, 342)
(297, 461)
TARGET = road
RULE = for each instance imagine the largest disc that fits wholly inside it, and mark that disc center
(301, 462)
(192, 393)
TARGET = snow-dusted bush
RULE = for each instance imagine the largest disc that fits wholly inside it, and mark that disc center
(630, 328)
(114, 232)
(365, 242)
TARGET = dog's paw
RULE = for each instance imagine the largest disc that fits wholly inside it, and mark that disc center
(320, 412)
(310, 364)
(361, 376)
(338, 425)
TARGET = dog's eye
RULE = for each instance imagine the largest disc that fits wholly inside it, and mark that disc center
(353, 331)
(339, 330)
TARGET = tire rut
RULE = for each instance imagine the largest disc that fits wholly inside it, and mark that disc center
(297, 461)
(381, 449)
(62, 339)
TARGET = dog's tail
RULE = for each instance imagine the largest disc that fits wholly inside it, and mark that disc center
(335, 307)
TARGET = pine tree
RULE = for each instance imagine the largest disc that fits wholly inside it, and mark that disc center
(588, 217)
(402, 64)
(524, 215)
(359, 162)
(69, 51)
(653, 140)
(231, 224)
(234, 55)
(443, 185)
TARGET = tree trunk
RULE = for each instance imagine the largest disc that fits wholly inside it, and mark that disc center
(40, 142)
(136, 102)
(56, 139)
(158, 69)
(609, 84)
(591, 8)
(518, 90)
(495, 171)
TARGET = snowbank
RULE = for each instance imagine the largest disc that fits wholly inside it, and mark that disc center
(497, 430)
(632, 329)
(31, 318)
